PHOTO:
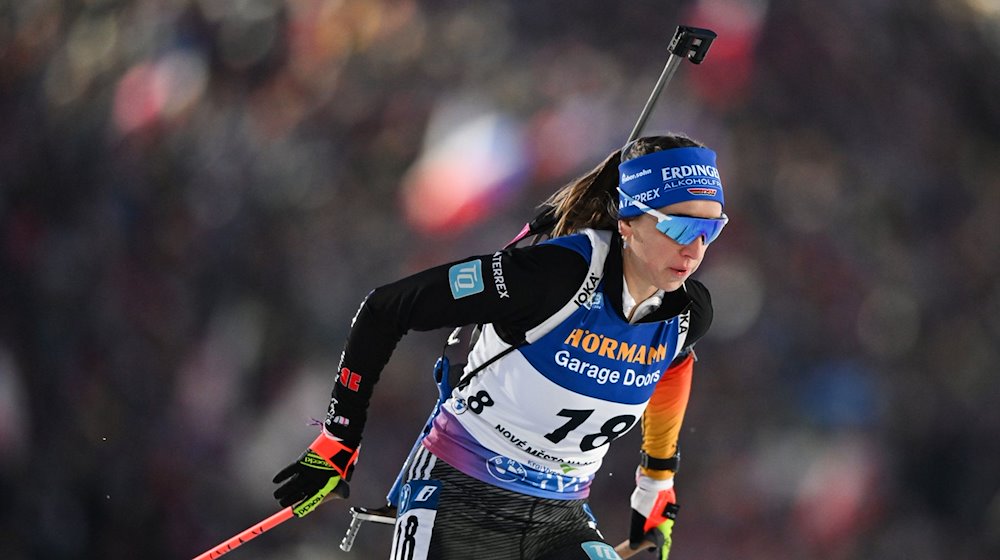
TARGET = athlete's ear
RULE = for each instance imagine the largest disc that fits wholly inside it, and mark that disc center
(625, 228)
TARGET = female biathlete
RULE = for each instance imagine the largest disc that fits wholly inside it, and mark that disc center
(585, 335)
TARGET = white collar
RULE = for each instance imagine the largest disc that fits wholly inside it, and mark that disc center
(633, 312)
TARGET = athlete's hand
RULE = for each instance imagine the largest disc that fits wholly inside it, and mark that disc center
(324, 467)
(654, 509)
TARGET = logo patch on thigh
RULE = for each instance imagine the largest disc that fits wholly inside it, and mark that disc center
(597, 550)
(418, 502)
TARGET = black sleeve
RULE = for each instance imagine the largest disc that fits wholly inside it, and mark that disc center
(701, 316)
(517, 289)
(701, 311)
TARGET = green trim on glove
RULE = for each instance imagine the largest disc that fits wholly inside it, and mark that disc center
(324, 467)
(665, 529)
(316, 499)
(316, 461)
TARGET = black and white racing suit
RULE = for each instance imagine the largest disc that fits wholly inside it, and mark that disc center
(531, 429)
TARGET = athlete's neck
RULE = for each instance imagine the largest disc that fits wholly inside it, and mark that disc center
(638, 286)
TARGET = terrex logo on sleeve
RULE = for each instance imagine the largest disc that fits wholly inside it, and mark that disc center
(498, 281)
(466, 279)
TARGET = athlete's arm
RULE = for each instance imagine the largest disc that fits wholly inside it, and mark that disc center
(654, 501)
(662, 419)
(516, 288)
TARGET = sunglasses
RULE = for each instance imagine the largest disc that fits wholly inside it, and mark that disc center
(683, 229)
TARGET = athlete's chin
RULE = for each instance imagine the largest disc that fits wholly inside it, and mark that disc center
(672, 284)
(672, 279)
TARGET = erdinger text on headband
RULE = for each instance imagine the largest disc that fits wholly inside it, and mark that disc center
(666, 177)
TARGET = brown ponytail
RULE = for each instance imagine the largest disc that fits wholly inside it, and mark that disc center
(591, 201)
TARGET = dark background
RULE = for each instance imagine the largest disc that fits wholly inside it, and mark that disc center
(196, 195)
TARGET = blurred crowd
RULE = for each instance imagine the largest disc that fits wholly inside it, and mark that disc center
(195, 195)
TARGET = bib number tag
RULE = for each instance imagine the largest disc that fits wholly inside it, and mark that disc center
(411, 536)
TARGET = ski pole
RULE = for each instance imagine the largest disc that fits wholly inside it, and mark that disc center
(341, 491)
(251, 533)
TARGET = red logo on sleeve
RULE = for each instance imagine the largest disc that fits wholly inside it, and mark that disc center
(350, 379)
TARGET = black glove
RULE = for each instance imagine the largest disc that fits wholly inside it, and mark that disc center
(654, 509)
(324, 467)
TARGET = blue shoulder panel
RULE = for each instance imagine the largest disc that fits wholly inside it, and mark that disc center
(578, 242)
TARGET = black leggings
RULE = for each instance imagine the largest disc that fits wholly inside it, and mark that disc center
(447, 515)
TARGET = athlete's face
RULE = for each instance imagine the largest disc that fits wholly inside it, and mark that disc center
(653, 260)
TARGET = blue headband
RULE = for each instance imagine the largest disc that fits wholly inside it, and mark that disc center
(667, 177)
